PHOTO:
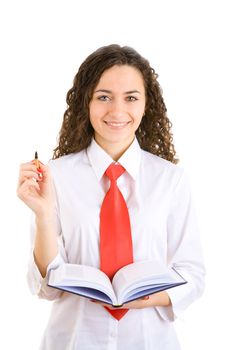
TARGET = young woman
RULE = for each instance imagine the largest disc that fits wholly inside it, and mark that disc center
(116, 114)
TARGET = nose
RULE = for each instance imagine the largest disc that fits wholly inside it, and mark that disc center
(117, 109)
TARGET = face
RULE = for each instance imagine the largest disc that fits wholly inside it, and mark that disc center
(117, 107)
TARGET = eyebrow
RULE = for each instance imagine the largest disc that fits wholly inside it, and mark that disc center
(126, 93)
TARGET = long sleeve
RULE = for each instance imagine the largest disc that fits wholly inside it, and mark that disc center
(183, 250)
(38, 284)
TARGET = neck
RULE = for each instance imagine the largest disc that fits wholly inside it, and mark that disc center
(115, 150)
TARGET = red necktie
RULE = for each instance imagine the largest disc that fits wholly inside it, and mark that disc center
(116, 248)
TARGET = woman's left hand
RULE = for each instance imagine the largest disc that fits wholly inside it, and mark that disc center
(157, 299)
(136, 304)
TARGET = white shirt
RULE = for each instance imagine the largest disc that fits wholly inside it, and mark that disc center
(163, 228)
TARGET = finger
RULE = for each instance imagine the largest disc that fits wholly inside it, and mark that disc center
(27, 189)
(102, 304)
(44, 171)
(33, 166)
(28, 174)
(29, 184)
(27, 167)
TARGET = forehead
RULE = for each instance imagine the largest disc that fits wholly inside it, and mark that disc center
(124, 77)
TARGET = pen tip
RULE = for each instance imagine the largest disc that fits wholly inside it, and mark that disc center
(36, 155)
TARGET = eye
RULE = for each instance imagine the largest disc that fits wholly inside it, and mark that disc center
(131, 98)
(103, 98)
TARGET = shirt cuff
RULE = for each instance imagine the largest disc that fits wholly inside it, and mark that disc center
(37, 283)
(181, 297)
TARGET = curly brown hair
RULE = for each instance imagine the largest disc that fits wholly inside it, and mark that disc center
(154, 133)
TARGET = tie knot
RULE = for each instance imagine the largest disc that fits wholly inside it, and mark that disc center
(114, 171)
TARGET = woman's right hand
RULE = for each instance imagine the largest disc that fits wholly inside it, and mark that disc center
(34, 190)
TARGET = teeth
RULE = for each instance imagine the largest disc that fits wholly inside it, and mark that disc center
(117, 124)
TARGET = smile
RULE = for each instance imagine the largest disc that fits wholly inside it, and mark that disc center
(117, 124)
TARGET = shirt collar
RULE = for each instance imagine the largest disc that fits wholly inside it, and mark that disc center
(131, 159)
(100, 160)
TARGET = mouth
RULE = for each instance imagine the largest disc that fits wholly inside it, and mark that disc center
(116, 125)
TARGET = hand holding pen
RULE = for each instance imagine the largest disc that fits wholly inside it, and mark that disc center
(35, 187)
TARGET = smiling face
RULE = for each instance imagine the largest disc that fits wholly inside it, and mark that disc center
(116, 108)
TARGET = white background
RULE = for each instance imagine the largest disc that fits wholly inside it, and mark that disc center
(189, 43)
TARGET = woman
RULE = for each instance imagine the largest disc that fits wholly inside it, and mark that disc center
(115, 114)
